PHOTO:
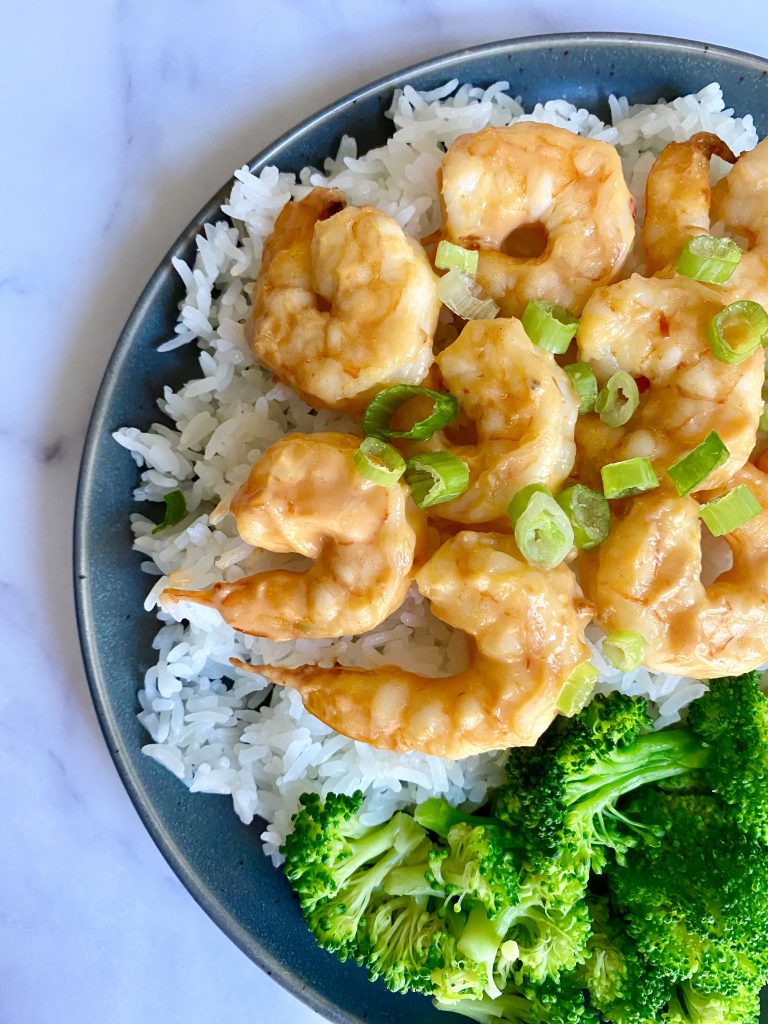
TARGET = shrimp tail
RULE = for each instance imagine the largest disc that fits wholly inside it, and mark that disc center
(371, 706)
(678, 197)
(253, 605)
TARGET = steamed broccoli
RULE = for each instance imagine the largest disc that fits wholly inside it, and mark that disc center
(477, 863)
(615, 859)
(696, 905)
(698, 900)
(732, 720)
(621, 983)
(566, 789)
(688, 1006)
(536, 924)
(335, 864)
(552, 1003)
(401, 943)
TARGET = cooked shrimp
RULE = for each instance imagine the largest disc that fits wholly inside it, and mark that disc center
(740, 200)
(647, 577)
(305, 495)
(524, 410)
(527, 634)
(504, 188)
(678, 197)
(657, 328)
(680, 204)
(346, 303)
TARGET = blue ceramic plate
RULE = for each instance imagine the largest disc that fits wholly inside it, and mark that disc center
(216, 857)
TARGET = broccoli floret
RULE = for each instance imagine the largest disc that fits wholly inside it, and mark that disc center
(549, 941)
(689, 1006)
(335, 864)
(477, 863)
(402, 943)
(524, 920)
(700, 897)
(696, 905)
(622, 985)
(732, 719)
(553, 1003)
(565, 790)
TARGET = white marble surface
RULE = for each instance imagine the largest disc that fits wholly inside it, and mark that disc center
(119, 119)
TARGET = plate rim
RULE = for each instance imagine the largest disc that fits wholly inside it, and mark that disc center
(137, 792)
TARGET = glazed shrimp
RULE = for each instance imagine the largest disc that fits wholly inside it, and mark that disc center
(524, 410)
(680, 204)
(740, 200)
(305, 495)
(656, 328)
(526, 629)
(345, 304)
(647, 577)
(541, 182)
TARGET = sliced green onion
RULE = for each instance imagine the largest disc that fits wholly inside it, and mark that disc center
(458, 292)
(543, 532)
(625, 650)
(584, 384)
(549, 326)
(436, 478)
(379, 462)
(632, 476)
(589, 515)
(378, 415)
(577, 689)
(738, 330)
(175, 510)
(732, 510)
(710, 259)
(696, 466)
(618, 400)
(454, 257)
(763, 424)
(520, 500)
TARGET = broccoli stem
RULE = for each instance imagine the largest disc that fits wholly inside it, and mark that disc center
(412, 880)
(439, 817)
(398, 835)
(650, 758)
(480, 941)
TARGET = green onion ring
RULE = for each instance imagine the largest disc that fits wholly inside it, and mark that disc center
(577, 689)
(379, 462)
(737, 331)
(710, 259)
(458, 292)
(549, 326)
(543, 532)
(696, 466)
(436, 477)
(625, 650)
(382, 408)
(618, 400)
(589, 515)
(632, 476)
(520, 500)
(730, 511)
(454, 257)
(584, 384)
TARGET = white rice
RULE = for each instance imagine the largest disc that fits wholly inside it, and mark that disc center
(221, 730)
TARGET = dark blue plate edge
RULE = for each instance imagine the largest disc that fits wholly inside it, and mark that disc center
(138, 794)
